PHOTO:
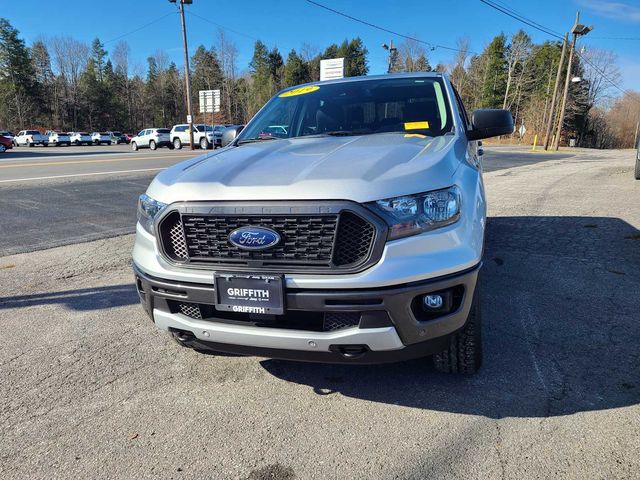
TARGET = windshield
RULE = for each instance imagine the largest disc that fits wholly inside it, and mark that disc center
(407, 105)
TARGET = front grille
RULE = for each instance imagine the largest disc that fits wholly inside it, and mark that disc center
(351, 245)
(305, 239)
(336, 241)
(190, 310)
(291, 320)
(339, 320)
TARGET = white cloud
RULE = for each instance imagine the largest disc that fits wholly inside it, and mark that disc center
(614, 10)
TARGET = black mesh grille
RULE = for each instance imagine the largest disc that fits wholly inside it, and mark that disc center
(320, 241)
(304, 239)
(339, 320)
(355, 239)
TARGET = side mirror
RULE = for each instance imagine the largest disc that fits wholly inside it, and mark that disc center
(490, 123)
(230, 133)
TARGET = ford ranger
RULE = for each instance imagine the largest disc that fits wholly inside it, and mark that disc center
(352, 234)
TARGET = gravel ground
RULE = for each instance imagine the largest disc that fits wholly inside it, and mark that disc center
(89, 389)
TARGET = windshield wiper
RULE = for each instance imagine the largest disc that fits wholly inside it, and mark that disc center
(257, 139)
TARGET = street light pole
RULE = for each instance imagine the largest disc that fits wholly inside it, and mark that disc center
(577, 30)
(552, 110)
(187, 76)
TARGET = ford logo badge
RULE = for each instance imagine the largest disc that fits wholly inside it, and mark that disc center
(254, 238)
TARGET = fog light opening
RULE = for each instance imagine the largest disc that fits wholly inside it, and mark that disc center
(433, 301)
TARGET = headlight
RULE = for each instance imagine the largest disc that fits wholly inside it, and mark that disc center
(148, 210)
(419, 213)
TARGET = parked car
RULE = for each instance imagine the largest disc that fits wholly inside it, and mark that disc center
(58, 138)
(152, 138)
(128, 137)
(358, 238)
(7, 134)
(6, 143)
(100, 138)
(202, 135)
(30, 138)
(279, 131)
(117, 138)
(217, 133)
(80, 138)
(637, 172)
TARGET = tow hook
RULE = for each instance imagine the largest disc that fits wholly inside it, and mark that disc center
(350, 351)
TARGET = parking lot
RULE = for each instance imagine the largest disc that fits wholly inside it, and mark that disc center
(91, 390)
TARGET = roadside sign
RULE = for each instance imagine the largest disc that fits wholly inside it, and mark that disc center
(189, 119)
(522, 130)
(331, 68)
(209, 101)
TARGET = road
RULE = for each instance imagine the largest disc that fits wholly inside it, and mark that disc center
(56, 196)
(59, 196)
(91, 390)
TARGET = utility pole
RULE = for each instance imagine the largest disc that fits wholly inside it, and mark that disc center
(187, 77)
(391, 50)
(577, 30)
(552, 111)
(635, 138)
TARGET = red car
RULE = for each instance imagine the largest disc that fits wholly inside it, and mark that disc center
(5, 144)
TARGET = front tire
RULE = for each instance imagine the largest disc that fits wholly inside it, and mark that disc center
(464, 353)
(152, 145)
(638, 166)
(177, 144)
(134, 146)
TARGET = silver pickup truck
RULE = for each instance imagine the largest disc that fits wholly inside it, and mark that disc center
(354, 233)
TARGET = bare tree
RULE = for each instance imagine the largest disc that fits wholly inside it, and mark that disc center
(228, 55)
(517, 54)
(70, 60)
(600, 65)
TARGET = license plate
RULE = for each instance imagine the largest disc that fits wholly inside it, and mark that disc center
(256, 294)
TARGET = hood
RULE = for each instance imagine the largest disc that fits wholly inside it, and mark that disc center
(360, 168)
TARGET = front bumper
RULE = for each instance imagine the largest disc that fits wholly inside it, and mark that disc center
(391, 325)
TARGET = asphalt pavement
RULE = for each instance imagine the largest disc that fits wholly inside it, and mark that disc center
(52, 196)
(91, 390)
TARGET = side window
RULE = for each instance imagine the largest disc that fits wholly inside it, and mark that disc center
(461, 109)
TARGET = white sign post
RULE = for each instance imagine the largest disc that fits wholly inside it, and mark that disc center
(331, 69)
(209, 101)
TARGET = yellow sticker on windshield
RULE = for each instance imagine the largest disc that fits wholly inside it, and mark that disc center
(300, 91)
(416, 125)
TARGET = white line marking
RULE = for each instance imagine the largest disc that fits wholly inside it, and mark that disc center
(82, 175)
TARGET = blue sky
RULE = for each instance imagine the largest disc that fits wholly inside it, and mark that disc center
(288, 24)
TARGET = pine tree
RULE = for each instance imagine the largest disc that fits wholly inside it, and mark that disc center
(19, 90)
(494, 83)
(296, 70)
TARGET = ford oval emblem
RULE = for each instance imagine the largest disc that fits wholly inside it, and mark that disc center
(254, 238)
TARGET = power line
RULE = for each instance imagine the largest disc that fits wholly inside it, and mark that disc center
(522, 19)
(635, 39)
(221, 26)
(432, 46)
(551, 33)
(140, 28)
(505, 7)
